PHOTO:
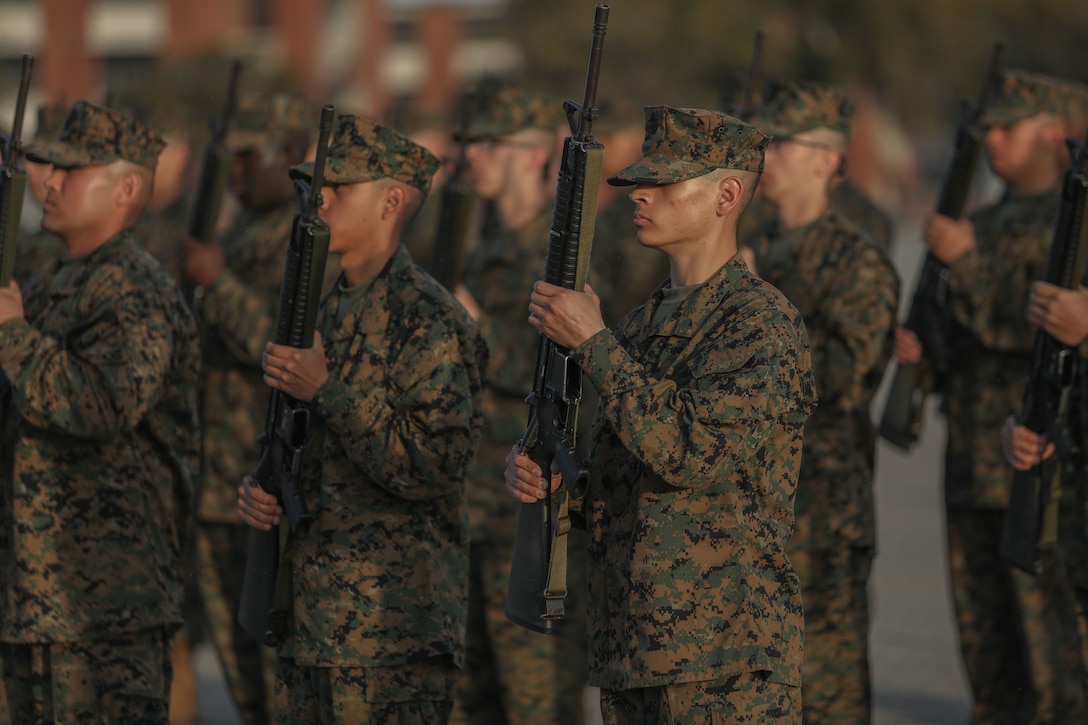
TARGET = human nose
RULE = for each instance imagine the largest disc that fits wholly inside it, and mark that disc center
(55, 178)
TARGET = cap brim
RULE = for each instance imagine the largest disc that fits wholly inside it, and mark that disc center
(658, 171)
(1003, 116)
(65, 155)
(336, 172)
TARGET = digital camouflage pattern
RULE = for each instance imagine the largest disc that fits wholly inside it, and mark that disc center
(990, 343)
(417, 694)
(239, 314)
(694, 466)
(95, 135)
(498, 270)
(683, 143)
(512, 674)
(511, 669)
(836, 686)
(380, 579)
(238, 311)
(853, 206)
(161, 231)
(793, 107)
(847, 201)
(99, 394)
(34, 252)
(847, 292)
(362, 150)
(507, 110)
(1018, 635)
(122, 679)
(1019, 94)
(743, 698)
(263, 119)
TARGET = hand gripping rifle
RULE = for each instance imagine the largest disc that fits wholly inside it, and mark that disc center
(1031, 519)
(901, 423)
(538, 575)
(455, 213)
(265, 600)
(13, 181)
(214, 176)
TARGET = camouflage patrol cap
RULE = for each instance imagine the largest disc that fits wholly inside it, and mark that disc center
(362, 150)
(798, 106)
(683, 143)
(94, 135)
(508, 110)
(258, 119)
(1018, 94)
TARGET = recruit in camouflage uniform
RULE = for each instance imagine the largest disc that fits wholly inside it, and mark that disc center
(380, 578)
(99, 454)
(846, 199)
(238, 309)
(512, 674)
(39, 247)
(694, 608)
(847, 292)
(1015, 631)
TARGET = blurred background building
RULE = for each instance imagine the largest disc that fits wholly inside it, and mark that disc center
(910, 61)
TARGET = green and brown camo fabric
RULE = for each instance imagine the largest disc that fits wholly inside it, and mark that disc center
(95, 135)
(381, 577)
(98, 396)
(694, 464)
(362, 150)
(683, 143)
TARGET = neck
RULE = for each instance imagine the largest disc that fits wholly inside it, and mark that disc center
(1034, 185)
(363, 264)
(82, 244)
(797, 212)
(697, 262)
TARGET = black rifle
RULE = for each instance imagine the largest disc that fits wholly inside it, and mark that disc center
(746, 110)
(455, 213)
(214, 176)
(1031, 519)
(265, 603)
(901, 423)
(13, 181)
(538, 575)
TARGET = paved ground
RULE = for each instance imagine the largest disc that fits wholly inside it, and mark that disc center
(916, 671)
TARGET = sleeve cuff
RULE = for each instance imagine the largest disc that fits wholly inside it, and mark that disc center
(15, 338)
(333, 397)
(226, 286)
(964, 270)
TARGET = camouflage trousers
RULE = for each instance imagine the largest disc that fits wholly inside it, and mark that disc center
(514, 675)
(1018, 633)
(119, 680)
(835, 680)
(248, 666)
(420, 693)
(745, 698)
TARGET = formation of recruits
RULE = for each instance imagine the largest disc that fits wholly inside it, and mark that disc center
(740, 315)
